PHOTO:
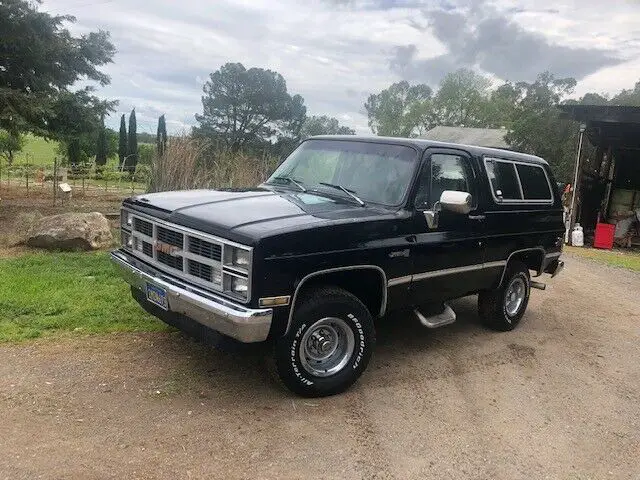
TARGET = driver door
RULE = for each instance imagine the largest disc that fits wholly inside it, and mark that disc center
(447, 259)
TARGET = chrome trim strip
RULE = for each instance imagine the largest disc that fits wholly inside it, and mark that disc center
(500, 263)
(399, 280)
(553, 255)
(383, 305)
(229, 318)
(447, 271)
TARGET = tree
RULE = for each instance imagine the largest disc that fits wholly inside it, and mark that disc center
(101, 145)
(402, 110)
(39, 62)
(122, 141)
(629, 97)
(538, 127)
(10, 144)
(242, 108)
(132, 142)
(462, 98)
(161, 136)
(323, 125)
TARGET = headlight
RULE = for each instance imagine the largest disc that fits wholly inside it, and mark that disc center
(126, 219)
(239, 286)
(127, 240)
(239, 258)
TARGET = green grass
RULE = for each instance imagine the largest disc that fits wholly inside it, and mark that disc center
(616, 258)
(51, 294)
(38, 150)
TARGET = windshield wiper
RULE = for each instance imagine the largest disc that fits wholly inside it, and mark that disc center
(351, 193)
(297, 183)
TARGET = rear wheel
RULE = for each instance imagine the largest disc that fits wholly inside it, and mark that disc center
(329, 343)
(502, 308)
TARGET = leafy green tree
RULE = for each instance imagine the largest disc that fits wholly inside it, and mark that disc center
(630, 97)
(462, 99)
(10, 144)
(161, 136)
(39, 63)
(324, 125)
(538, 127)
(132, 142)
(243, 108)
(122, 141)
(402, 110)
(101, 146)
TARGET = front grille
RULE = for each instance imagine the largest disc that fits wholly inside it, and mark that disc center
(147, 249)
(206, 249)
(195, 257)
(170, 236)
(200, 270)
(173, 262)
(143, 227)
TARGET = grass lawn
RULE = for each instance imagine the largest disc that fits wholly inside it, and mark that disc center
(616, 258)
(53, 293)
(39, 150)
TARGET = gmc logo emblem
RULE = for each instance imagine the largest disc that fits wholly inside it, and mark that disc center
(166, 248)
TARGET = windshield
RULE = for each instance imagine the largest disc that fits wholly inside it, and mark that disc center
(375, 172)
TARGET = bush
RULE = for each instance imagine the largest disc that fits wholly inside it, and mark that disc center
(192, 162)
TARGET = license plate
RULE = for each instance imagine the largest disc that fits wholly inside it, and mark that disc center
(157, 296)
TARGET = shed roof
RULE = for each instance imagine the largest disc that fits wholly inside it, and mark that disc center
(607, 125)
(484, 137)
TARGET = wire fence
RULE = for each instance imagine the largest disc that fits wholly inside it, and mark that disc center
(62, 183)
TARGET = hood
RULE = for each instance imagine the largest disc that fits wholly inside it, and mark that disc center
(248, 215)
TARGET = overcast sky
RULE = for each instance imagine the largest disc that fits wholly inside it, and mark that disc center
(335, 52)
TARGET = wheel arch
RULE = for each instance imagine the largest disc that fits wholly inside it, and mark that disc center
(343, 277)
(532, 257)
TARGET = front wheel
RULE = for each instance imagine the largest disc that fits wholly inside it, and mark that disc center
(502, 308)
(329, 343)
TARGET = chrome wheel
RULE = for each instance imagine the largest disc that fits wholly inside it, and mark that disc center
(515, 295)
(326, 347)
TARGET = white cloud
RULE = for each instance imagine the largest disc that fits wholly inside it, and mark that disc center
(332, 52)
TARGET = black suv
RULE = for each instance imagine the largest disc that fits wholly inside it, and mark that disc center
(345, 230)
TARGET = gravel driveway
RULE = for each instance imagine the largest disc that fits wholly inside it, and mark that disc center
(557, 398)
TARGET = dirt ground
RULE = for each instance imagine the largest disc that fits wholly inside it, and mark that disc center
(557, 398)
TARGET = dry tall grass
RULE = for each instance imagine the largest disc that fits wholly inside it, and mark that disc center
(191, 163)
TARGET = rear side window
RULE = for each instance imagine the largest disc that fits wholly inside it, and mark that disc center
(504, 181)
(535, 185)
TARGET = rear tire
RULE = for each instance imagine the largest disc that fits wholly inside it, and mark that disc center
(502, 309)
(329, 343)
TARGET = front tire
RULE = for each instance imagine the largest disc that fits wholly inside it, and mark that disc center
(502, 309)
(329, 343)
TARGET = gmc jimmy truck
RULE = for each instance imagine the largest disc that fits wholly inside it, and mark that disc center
(346, 229)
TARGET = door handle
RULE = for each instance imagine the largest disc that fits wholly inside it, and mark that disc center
(479, 218)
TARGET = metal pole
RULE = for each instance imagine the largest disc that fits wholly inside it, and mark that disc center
(27, 174)
(55, 179)
(572, 212)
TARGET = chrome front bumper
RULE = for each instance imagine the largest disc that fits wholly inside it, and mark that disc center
(227, 317)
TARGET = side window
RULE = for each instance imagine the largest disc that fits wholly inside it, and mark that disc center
(535, 185)
(504, 180)
(447, 172)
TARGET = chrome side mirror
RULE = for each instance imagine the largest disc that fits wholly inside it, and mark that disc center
(450, 201)
(456, 202)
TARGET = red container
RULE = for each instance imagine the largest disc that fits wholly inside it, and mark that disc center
(604, 236)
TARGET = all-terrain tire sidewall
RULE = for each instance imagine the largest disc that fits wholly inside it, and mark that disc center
(321, 304)
(492, 304)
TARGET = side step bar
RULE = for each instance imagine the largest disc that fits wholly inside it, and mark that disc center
(445, 318)
(538, 285)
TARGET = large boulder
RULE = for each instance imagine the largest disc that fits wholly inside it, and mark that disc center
(71, 231)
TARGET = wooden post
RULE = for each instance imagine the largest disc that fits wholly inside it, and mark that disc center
(576, 183)
(27, 175)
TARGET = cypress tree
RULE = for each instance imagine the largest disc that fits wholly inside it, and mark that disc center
(132, 143)
(161, 136)
(122, 144)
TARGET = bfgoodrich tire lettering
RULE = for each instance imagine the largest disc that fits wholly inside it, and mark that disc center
(308, 369)
(502, 309)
